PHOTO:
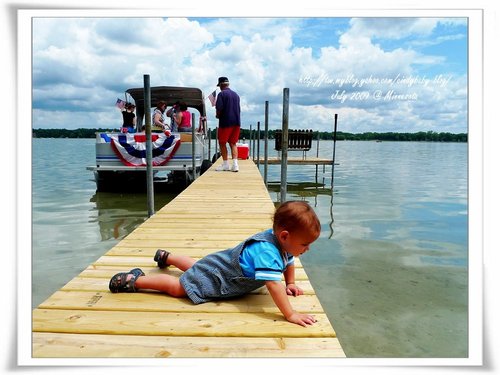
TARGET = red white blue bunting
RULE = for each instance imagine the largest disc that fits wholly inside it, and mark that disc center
(131, 148)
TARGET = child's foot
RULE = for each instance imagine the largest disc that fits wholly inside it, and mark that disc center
(161, 258)
(124, 282)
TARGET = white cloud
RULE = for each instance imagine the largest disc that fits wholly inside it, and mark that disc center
(81, 65)
(391, 28)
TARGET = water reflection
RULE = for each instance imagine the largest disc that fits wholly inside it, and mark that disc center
(119, 214)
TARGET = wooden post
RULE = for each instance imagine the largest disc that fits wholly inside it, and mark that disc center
(250, 144)
(209, 143)
(284, 144)
(266, 138)
(216, 142)
(258, 144)
(317, 155)
(149, 146)
(334, 142)
(193, 145)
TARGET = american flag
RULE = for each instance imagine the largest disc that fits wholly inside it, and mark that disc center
(211, 97)
(120, 103)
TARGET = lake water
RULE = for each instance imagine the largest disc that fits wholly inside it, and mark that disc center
(390, 266)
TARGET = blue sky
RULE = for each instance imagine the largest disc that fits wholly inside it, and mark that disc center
(379, 74)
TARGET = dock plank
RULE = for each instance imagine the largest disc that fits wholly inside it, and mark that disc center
(309, 160)
(129, 261)
(101, 285)
(108, 271)
(217, 211)
(63, 345)
(241, 324)
(256, 303)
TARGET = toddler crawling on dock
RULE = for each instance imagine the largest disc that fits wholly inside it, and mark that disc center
(260, 260)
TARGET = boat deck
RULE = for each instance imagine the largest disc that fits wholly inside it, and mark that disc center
(217, 211)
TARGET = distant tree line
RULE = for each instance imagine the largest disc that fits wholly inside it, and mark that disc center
(65, 133)
(428, 136)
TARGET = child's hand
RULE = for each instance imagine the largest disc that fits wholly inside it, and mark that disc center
(301, 319)
(293, 290)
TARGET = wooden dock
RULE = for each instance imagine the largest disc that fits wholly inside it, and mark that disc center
(217, 211)
(273, 160)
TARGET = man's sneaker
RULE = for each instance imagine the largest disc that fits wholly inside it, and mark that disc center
(235, 168)
(223, 167)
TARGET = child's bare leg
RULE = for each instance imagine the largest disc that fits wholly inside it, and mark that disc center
(182, 262)
(163, 283)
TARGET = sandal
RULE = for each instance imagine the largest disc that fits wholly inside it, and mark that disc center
(120, 284)
(161, 258)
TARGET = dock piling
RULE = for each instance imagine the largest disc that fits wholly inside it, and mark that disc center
(266, 139)
(284, 143)
(149, 148)
(193, 145)
(258, 144)
(334, 142)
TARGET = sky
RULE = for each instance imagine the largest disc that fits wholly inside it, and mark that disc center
(379, 74)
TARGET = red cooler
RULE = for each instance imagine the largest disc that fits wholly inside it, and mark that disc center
(243, 150)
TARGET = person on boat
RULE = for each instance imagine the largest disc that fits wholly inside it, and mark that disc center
(128, 118)
(171, 115)
(158, 116)
(228, 111)
(261, 260)
(183, 118)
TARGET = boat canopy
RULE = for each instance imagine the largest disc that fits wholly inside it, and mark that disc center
(193, 97)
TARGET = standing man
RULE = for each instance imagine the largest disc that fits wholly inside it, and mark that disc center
(228, 112)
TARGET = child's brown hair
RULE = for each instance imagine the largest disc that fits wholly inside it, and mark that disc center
(296, 216)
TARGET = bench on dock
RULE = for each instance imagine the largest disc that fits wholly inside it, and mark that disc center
(298, 140)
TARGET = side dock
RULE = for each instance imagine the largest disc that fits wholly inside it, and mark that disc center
(217, 211)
